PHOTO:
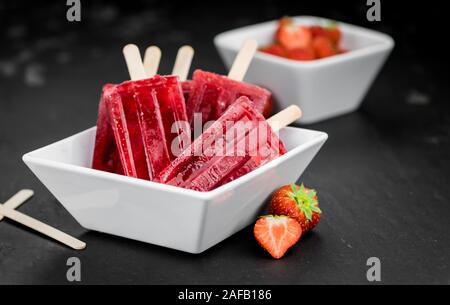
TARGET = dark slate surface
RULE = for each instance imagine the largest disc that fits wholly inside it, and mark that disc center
(383, 176)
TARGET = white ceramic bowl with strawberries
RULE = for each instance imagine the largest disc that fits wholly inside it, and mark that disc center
(161, 214)
(323, 88)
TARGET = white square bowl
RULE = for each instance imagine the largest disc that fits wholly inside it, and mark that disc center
(323, 88)
(161, 214)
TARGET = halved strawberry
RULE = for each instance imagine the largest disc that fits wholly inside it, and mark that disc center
(317, 30)
(276, 234)
(297, 202)
(302, 54)
(274, 49)
(323, 47)
(282, 23)
(332, 32)
(335, 34)
(291, 36)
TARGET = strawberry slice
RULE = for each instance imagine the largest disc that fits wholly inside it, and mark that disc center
(317, 30)
(291, 36)
(302, 54)
(323, 47)
(333, 33)
(276, 234)
(283, 23)
(274, 49)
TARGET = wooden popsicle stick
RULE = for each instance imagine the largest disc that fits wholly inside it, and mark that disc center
(284, 117)
(183, 62)
(42, 228)
(243, 60)
(152, 58)
(134, 62)
(15, 201)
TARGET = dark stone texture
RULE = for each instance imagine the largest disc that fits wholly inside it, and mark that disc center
(382, 177)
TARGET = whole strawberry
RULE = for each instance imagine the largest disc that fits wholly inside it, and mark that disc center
(297, 202)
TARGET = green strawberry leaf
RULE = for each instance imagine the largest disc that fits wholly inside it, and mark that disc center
(302, 188)
(308, 214)
(316, 209)
(292, 196)
(293, 188)
(305, 199)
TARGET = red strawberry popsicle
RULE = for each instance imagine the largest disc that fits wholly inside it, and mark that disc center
(135, 120)
(181, 66)
(119, 134)
(215, 158)
(211, 94)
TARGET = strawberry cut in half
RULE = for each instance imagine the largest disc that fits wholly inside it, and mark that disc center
(331, 32)
(276, 234)
(302, 54)
(323, 47)
(291, 36)
(274, 49)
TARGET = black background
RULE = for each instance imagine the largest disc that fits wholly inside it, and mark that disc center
(382, 177)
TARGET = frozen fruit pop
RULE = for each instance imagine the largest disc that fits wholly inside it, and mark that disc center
(200, 167)
(106, 154)
(161, 104)
(175, 111)
(211, 94)
(118, 145)
(119, 131)
(186, 87)
(137, 117)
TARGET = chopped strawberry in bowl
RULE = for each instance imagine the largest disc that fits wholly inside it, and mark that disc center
(290, 36)
(325, 67)
(302, 42)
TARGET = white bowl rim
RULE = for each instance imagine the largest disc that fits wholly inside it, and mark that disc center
(385, 43)
(30, 158)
